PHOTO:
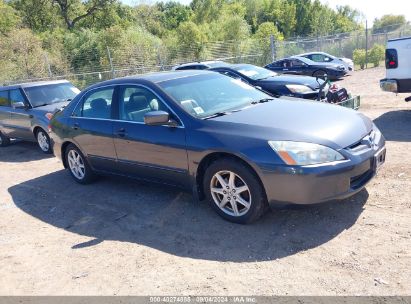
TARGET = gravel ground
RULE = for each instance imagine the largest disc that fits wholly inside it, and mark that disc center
(121, 237)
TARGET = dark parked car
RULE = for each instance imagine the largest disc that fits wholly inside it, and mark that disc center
(281, 85)
(223, 139)
(303, 66)
(203, 65)
(26, 109)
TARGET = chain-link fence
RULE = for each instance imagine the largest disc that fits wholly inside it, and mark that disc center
(340, 45)
(87, 66)
(91, 66)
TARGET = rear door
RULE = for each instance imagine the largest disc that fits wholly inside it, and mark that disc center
(20, 118)
(155, 153)
(92, 128)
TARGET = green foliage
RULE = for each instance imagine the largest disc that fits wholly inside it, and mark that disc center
(377, 54)
(9, 18)
(388, 23)
(359, 56)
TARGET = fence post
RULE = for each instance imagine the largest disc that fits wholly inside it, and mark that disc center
(113, 72)
(46, 61)
(272, 47)
(366, 44)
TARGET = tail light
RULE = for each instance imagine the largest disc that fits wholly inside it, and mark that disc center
(391, 59)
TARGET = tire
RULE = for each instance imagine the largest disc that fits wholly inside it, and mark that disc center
(320, 74)
(4, 140)
(246, 188)
(43, 140)
(78, 166)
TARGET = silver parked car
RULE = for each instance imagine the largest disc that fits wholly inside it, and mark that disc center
(327, 58)
(26, 110)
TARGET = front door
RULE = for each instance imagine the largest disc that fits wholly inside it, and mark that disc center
(92, 128)
(20, 118)
(149, 152)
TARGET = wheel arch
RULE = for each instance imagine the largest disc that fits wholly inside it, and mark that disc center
(207, 160)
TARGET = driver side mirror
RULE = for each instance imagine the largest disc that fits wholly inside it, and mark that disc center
(18, 105)
(159, 118)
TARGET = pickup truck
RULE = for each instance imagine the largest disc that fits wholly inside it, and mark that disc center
(398, 65)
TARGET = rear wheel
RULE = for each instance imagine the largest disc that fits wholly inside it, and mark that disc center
(43, 140)
(234, 191)
(78, 166)
(4, 140)
(320, 74)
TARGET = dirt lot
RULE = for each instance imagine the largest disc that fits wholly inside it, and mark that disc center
(120, 237)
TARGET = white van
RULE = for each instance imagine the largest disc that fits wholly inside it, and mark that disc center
(398, 64)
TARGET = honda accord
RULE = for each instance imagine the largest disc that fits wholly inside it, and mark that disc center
(226, 141)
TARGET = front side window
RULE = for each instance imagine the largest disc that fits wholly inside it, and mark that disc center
(4, 99)
(206, 95)
(135, 102)
(16, 96)
(297, 63)
(52, 93)
(97, 104)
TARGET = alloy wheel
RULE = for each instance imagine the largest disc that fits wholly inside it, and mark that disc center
(76, 164)
(43, 141)
(230, 193)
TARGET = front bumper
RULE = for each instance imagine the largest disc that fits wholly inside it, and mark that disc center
(321, 183)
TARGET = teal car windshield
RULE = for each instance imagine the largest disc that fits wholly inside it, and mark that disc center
(51, 93)
(205, 95)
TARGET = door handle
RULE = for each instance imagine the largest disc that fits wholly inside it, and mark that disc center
(121, 132)
(75, 126)
(31, 116)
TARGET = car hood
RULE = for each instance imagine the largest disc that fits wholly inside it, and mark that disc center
(52, 107)
(298, 120)
(285, 79)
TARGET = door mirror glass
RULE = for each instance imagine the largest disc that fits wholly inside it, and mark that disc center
(19, 105)
(157, 118)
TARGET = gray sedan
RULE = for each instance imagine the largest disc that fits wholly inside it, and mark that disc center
(226, 141)
(26, 110)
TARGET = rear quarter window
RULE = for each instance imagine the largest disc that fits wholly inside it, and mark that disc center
(4, 99)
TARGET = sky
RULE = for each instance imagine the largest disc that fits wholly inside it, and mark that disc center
(370, 8)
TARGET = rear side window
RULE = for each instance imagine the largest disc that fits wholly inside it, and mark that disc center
(97, 104)
(4, 99)
(391, 59)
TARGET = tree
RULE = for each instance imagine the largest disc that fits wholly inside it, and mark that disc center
(22, 56)
(265, 30)
(173, 13)
(191, 39)
(74, 11)
(9, 18)
(388, 23)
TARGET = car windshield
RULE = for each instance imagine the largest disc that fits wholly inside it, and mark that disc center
(208, 94)
(51, 93)
(254, 72)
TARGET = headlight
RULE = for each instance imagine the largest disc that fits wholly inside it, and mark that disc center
(298, 88)
(302, 154)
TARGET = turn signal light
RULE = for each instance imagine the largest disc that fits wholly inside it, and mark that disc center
(49, 115)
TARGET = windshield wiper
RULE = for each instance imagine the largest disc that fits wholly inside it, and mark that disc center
(218, 114)
(262, 100)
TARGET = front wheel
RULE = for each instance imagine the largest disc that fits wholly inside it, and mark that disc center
(4, 140)
(43, 140)
(234, 191)
(78, 166)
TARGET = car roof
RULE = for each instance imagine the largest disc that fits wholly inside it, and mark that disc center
(209, 63)
(32, 84)
(156, 77)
